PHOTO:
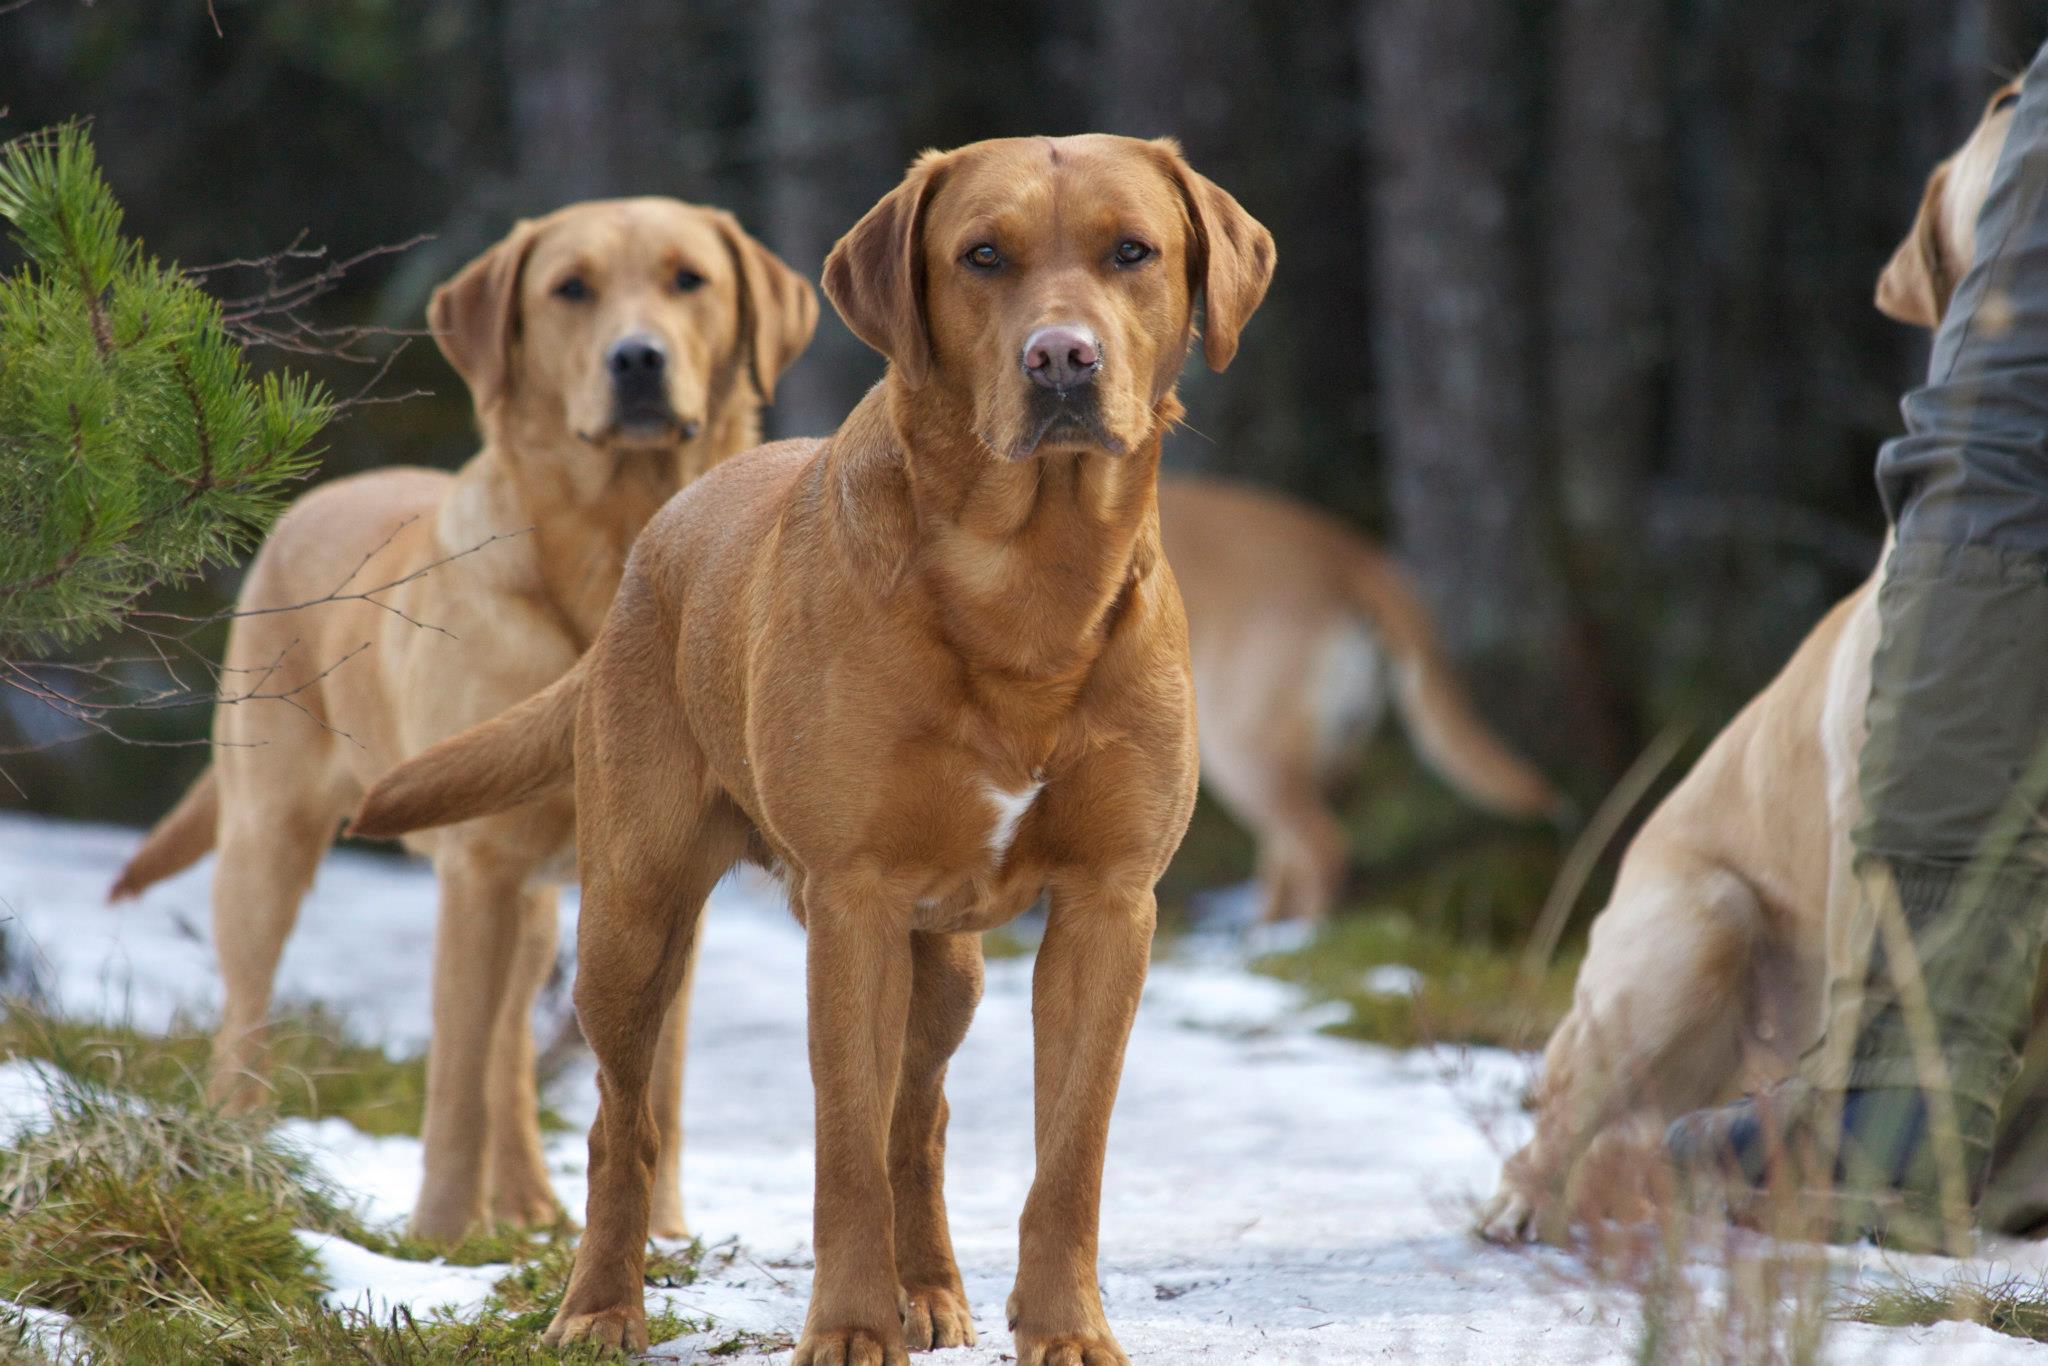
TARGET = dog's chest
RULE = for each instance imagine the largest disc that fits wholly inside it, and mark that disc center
(1009, 807)
(983, 870)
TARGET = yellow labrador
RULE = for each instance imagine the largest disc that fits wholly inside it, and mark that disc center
(1301, 635)
(1706, 971)
(614, 351)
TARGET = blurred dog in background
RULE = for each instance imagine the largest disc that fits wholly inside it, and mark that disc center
(1301, 634)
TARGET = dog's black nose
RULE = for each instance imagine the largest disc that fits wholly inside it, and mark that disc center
(1062, 357)
(636, 356)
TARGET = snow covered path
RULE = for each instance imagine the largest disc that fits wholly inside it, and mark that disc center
(1272, 1195)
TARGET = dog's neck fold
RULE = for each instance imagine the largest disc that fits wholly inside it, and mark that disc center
(1026, 562)
(584, 503)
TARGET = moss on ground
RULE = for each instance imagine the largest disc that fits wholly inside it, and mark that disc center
(1456, 992)
(316, 1070)
(166, 1230)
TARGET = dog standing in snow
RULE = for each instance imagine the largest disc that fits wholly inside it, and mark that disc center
(928, 668)
(615, 350)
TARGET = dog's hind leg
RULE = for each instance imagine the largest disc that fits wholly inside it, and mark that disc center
(1656, 1024)
(653, 836)
(946, 976)
(666, 1217)
(640, 914)
(520, 1193)
(1302, 849)
(268, 852)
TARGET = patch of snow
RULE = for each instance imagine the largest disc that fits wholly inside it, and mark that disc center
(1393, 979)
(361, 1279)
(1272, 1194)
(25, 1088)
(45, 1332)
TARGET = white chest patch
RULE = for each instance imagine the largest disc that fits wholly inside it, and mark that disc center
(1010, 808)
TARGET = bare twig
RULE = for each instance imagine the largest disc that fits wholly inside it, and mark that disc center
(91, 695)
(271, 314)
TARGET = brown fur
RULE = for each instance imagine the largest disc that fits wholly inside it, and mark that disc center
(929, 669)
(1706, 972)
(370, 683)
(1301, 633)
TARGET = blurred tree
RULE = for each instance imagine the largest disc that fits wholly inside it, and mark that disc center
(1604, 208)
(135, 449)
(831, 137)
(1456, 332)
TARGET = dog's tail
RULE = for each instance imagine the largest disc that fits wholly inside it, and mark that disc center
(177, 842)
(513, 757)
(1434, 704)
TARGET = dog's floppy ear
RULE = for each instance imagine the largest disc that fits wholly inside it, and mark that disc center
(1232, 257)
(778, 307)
(875, 275)
(1915, 284)
(474, 315)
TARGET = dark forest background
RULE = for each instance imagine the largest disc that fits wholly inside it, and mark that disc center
(1573, 306)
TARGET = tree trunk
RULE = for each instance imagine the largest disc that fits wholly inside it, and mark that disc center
(1606, 254)
(830, 143)
(1454, 327)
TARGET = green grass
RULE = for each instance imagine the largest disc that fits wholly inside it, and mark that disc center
(166, 1229)
(315, 1069)
(2016, 1306)
(118, 1205)
(1470, 992)
(167, 1235)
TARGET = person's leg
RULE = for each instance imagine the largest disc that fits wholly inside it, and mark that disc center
(1925, 1025)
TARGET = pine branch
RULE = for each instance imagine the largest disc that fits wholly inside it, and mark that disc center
(136, 449)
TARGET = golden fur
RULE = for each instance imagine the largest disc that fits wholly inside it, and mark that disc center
(569, 484)
(1706, 972)
(930, 668)
(1301, 634)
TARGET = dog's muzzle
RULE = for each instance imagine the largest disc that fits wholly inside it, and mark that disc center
(638, 366)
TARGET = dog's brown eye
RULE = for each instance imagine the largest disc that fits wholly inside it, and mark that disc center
(687, 280)
(984, 257)
(573, 289)
(2006, 101)
(1130, 251)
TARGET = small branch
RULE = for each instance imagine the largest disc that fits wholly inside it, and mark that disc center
(55, 571)
(93, 694)
(270, 316)
(368, 595)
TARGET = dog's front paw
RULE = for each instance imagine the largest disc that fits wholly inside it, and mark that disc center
(623, 1329)
(1070, 1349)
(1510, 1218)
(936, 1316)
(849, 1347)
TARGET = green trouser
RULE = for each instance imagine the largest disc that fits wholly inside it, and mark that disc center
(1952, 850)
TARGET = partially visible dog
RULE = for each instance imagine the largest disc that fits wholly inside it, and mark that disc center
(1706, 970)
(929, 668)
(1301, 634)
(614, 350)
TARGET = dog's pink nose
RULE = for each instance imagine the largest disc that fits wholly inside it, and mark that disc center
(1062, 357)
